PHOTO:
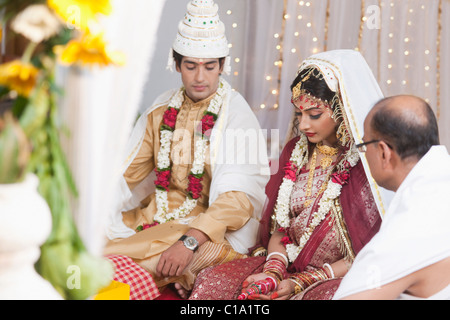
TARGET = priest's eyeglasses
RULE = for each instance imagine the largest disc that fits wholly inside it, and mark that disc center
(362, 147)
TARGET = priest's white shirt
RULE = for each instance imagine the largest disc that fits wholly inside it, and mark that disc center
(415, 230)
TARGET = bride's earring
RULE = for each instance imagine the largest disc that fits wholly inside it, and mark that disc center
(341, 134)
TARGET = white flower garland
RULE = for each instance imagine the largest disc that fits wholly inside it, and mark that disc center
(299, 157)
(162, 215)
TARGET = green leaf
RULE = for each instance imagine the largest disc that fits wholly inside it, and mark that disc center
(14, 150)
(35, 113)
(197, 175)
(210, 114)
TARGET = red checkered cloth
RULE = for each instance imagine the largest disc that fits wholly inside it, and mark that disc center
(142, 285)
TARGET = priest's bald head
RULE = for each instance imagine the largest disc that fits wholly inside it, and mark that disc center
(401, 130)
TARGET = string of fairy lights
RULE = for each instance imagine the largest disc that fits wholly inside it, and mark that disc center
(400, 57)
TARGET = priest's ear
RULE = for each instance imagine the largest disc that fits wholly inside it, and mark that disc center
(389, 158)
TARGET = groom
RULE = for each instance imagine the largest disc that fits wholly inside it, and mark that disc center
(205, 207)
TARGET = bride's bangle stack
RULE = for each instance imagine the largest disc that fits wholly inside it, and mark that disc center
(276, 268)
(305, 279)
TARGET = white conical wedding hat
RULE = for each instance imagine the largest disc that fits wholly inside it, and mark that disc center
(201, 33)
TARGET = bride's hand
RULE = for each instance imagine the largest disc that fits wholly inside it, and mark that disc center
(284, 291)
(252, 279)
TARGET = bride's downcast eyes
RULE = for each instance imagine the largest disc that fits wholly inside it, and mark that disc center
(315, 116)
(311, 116)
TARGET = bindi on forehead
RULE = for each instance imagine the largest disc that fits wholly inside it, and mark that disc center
(200, 61)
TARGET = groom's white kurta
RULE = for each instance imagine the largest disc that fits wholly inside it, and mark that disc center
(238, 158)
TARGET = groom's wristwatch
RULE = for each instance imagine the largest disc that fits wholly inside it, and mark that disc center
(189, 242)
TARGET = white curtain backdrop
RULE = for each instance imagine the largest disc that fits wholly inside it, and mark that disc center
(405, 42)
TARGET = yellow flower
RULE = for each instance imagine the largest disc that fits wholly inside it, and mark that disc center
(89, 49)
(80, 12)
(18, 76)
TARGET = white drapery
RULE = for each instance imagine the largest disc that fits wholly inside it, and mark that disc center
(405, 42)
(99, 110)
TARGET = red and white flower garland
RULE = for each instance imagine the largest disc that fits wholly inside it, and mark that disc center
(299, 158)
(163, 168)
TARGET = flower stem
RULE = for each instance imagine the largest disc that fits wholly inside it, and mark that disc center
(29, 52)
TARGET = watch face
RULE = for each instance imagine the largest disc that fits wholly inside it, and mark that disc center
(190, 243)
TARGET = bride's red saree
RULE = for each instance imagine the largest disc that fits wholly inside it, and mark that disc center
(358, 221)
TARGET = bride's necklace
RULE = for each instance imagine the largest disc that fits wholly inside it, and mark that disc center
(309, 184)
(328, 153)
(332, 190)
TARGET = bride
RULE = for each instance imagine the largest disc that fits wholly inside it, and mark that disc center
(321, 208)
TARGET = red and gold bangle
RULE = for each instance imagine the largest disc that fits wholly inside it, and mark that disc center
(280, 255)
(298, 286)
(306, 278)
(276, 268)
